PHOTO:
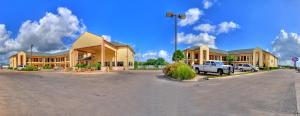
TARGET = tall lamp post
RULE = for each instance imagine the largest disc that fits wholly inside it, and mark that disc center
(176, 17)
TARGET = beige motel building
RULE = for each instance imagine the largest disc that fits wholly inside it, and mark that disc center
(255, 56)
(87, 49)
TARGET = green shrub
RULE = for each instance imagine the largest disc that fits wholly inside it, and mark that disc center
(98, 66)
(81, 65)
(30, 68)
(179, 71)
(274, 68)
(178, 55)
(47, 67)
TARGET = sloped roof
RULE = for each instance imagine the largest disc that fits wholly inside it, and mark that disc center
(241, 51)
(115, 43)
(47, 54)
(193, 48)
(218, 51)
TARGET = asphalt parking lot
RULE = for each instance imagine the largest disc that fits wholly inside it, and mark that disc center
(146, 93)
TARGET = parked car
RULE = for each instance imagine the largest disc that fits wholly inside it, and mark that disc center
(20, 67)
(247, 67)
(214, 67)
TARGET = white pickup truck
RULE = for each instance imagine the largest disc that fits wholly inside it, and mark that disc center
(214, 67)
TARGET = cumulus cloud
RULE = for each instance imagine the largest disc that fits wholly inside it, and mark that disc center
(197, 40)
(205, 28)
(208, 3)
(192, 16)
(225, 27)
(47, 34)
(285, 46)
(153, 55)
(107, 38)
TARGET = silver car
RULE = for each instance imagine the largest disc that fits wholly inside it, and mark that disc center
(248, 67)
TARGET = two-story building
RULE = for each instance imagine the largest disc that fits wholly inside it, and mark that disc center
(255, 56)
(87, 49)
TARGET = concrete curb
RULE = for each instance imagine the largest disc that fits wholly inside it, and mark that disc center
(196, 79)
(297, 91)
(235, 76)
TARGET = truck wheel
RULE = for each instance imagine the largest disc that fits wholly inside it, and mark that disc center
(197, 71)
(220, 72)
(252, 70)
(241, 70)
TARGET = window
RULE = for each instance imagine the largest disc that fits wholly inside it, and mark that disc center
(207, 63)
(106, 64)
(196, 56)
(130, 63)
(113, 63)
(223, 58)
(213, 63)
(120, 63)
(211, 57)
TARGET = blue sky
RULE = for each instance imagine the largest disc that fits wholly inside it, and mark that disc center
(143, 23)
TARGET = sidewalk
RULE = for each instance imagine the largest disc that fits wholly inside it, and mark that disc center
(241, 74)
(297, 89)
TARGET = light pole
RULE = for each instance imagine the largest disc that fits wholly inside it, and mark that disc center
(175, 16)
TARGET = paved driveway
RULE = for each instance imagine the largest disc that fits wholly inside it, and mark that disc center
(146, 94)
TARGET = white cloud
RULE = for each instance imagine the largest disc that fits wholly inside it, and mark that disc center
(163, 54)
(208, 3)
(285, 46)
(197, 40)
(47, 34)
(107, 38)
(192, 15)
(225, 27)
(153, 55)
(205, 28)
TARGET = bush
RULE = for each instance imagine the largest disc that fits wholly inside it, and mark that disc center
(179, 71)
(274, 68)
(47, 67)
(30, 68)
(98, 66)
(81, 65)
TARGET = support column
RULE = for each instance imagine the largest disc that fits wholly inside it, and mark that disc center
(254, 58)
(207, 54)
(192, 58)
(102, 54)
(65, 59)
(116, 58)
(201, 58)
(187, 57)
(261, 59)
(44, 61)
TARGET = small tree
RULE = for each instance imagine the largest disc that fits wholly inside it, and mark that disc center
(150, 62)
(160, 61)
(230, 59)
(178, 56)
